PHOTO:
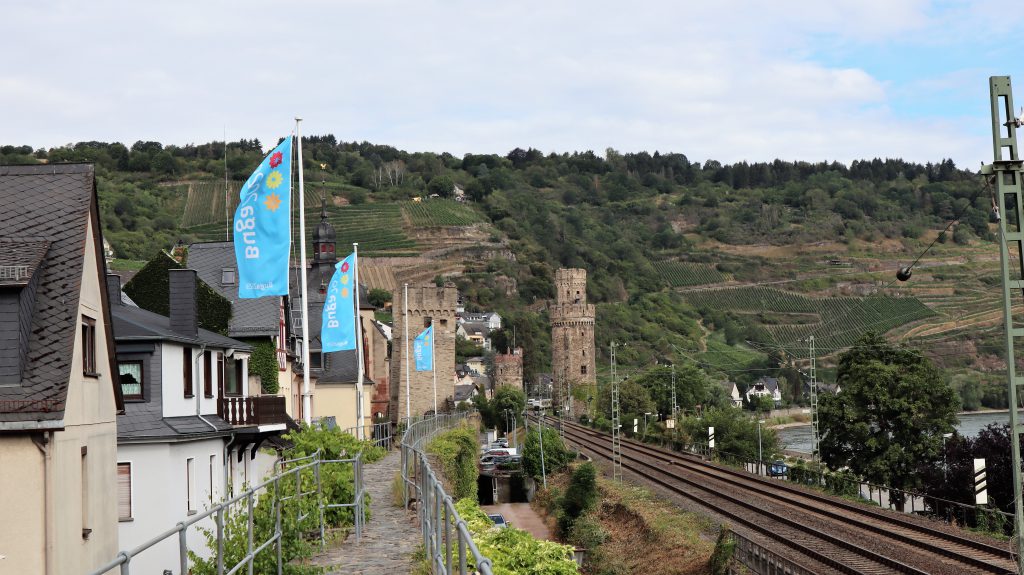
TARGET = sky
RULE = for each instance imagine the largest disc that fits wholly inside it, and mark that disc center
(726, 80)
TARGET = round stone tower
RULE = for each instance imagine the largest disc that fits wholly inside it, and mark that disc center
(572, 335)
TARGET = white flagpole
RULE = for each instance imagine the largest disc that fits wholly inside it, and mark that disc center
(433, 364)
(360, 418)
(307, 409)
(408, 409)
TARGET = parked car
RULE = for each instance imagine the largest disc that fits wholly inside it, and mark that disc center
(778, 468)
(498, 451)
(498, 519)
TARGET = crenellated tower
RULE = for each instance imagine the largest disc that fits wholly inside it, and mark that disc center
(572, 336)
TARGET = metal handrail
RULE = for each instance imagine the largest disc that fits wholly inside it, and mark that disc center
(435, 507)
(219, 511)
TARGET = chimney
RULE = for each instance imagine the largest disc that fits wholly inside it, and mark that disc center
(114, 289)
(184, 310)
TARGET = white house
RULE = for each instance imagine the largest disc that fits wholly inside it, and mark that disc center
(733, 392)
(489, 318)
(766, 387)
(190, 434)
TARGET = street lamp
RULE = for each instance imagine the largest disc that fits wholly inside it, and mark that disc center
(645, 422)
(760, 459)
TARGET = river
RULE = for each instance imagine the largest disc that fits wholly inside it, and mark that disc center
(798, 438)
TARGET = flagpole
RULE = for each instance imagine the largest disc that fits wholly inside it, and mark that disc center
(306, 399)
(360, 418)
(408, 409)
(433, 364)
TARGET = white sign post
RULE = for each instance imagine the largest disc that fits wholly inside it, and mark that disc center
(711, 438)
(980, 483)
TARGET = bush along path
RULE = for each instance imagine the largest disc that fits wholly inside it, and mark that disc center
(390, 536)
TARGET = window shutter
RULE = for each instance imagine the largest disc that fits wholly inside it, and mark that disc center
(124, 491)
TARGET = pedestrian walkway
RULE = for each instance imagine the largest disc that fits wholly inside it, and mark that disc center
(389, 537)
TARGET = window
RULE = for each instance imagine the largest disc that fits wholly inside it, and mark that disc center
(583, 370)
(131, 379)
(227, 276)
(89, 346)
(190, 485)
(207, 374)
(186, 359)
(427, 320)
(232, 374)
(316, 359)
(124, 491)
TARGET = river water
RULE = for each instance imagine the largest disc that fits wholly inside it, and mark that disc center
(798, 438)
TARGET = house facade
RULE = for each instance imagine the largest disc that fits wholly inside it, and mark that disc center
(766, 387)
(190, 433)
(732, 392)
(58, 394)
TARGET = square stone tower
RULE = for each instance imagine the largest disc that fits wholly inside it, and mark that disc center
(428, 304)
(572, 336)
(508, 368)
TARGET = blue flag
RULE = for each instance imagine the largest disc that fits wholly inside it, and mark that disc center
(338, 326)
(263, 226)
(423, 350)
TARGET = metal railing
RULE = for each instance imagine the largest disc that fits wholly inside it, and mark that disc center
(441, 527)
(756, 559)
(380, 434)
(221, 513)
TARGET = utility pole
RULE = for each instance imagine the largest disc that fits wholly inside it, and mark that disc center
(814, 402)
(675, 406)
(1007, 170)
(616, 439)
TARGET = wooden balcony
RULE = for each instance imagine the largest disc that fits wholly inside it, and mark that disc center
(259, 410)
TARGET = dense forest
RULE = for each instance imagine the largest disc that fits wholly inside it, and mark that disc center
(625, 217)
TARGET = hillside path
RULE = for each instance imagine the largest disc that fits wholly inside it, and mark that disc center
(389, 537)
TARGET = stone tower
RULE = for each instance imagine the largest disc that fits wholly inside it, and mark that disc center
(572, 335)
(508, 369)
(428, 304)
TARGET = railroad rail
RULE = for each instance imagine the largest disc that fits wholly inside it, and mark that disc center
(822, 532)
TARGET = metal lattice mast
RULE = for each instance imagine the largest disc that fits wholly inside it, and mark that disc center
(675, 406)
(616, 440)
(814, 401)
(1007, 170)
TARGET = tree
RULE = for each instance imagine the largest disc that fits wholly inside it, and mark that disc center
(581, 496)
(511, 399)
(692, 386)
(634, 400)
(556, 456)
(735, 434)
(378, 297)
(889, 417)
(442, 186)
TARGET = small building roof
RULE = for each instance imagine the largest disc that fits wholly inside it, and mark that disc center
(256, 317)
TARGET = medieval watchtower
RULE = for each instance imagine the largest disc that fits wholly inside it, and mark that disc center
(428, 305)
(572, 334)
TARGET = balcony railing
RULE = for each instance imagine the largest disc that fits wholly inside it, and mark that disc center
(259, 410)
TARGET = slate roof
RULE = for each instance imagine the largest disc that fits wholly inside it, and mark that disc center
(464, 392)
(258, 317)
(21, 257)
(137, 324)
(146, 424)
(769, 383)
(54, 204)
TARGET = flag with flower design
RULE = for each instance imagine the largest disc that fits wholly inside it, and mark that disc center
(423, 349)
(338, 325)
(262, 226)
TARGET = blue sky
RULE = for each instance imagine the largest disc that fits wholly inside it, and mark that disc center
(797, 80)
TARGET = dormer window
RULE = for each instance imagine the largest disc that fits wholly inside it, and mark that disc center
(227, 276)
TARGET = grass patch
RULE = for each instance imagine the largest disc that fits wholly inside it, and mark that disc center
(127, 265)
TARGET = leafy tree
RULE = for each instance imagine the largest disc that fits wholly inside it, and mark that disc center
(736, 434)
(465, 349)
(379, 297)
(556, 456)
(634, 400)
(692, 386)
(442, 186)
(889, 417)
(510, 398)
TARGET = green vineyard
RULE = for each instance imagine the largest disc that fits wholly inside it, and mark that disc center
(835, 322)
(437, 213)
(681, 274)
(204, 203)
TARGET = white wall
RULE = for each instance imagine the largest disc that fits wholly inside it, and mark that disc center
(159, 498)
(173, 392)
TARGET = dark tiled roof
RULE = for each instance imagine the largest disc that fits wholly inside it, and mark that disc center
(249, 317)
(50, 203)
(141, 422)
(19, 259)
(134, 323)
(770, 383)
(341, 367)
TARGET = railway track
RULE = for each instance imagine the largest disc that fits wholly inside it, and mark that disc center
(824, 533)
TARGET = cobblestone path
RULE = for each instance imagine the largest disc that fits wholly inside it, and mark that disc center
(389, 537)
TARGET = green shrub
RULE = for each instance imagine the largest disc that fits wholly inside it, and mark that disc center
(587, 533)
(580, 497)
(722, 555)
(457, 451)
(263, 362)
(556, 456)
(513, 550)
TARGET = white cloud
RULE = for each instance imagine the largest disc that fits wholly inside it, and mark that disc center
(727, 80)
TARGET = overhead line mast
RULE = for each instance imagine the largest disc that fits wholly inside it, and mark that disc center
(1007, 170)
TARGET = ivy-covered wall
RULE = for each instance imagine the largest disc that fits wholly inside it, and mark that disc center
(150, 289)
(263, 362)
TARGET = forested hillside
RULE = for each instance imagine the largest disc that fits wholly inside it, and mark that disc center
(662, 236)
